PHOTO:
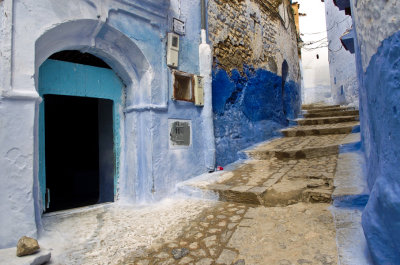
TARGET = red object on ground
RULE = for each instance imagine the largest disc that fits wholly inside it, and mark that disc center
(220, 168)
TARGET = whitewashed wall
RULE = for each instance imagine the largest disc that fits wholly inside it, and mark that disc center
(131, 37)
(342, 66)
(315, 71)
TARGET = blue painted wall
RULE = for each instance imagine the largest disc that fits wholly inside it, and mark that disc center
(159, 168)
(250, 107)
(380, 127)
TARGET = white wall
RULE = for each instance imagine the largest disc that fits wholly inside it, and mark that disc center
(316, 71)
(375, 22)
(344, 85)
(130, 37)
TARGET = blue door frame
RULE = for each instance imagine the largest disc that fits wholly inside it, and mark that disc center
(71, 79)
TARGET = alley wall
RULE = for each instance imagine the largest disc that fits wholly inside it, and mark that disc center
(377, 26)
(256, 72)
(314, 52)
(342, 65)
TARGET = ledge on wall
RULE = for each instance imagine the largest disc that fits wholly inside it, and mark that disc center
(347, 40)
(343, 5)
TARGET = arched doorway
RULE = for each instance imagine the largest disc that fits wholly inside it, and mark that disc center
(79, 138)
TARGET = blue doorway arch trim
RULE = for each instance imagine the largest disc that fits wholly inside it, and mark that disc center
(72, 79)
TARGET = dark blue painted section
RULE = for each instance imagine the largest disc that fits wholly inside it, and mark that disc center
(249, 108)
(353, 147)
(351, 201)
(380, 128)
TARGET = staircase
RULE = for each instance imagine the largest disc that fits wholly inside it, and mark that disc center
(299, 167)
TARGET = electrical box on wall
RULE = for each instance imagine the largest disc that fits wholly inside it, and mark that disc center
(180, 133)
(173, 50)
(198, 90)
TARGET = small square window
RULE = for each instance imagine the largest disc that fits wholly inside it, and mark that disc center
(183, 86)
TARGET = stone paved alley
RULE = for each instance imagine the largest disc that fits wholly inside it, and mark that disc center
(274, 208)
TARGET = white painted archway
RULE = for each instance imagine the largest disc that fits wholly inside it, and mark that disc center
(119, 52)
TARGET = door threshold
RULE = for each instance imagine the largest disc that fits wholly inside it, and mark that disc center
(78, 210)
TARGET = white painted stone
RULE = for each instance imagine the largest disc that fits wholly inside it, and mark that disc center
(374, 23)
(17, 209)
(350, 179)
(352, 246)
(8, 256)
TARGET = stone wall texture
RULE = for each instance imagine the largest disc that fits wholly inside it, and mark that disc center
(255, 73)
(377, 48)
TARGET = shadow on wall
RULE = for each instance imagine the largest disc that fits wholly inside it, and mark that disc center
(250, 107)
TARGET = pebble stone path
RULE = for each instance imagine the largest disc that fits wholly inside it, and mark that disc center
(203, 241)
(234, 233)
(274, 207)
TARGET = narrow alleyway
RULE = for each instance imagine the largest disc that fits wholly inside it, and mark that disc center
(293, 176)
(273, 208)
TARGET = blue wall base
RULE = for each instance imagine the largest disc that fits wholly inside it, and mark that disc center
(380, 120)
(250, 107)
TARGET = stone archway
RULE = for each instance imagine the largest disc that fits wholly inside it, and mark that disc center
(113, 47)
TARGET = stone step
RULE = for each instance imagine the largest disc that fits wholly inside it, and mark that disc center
(273, 182)
(303, 153)
(319, 110)
(300, 147)
(332, 114)
(351, 189)
(339, 128)
(327, 120)
(318, 106)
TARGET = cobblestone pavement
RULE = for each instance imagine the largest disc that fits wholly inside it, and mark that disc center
(107, 233)
(284, 171)
(234, 233)
(301, 142)
(271, 215)
(203, 241)
(273, 209)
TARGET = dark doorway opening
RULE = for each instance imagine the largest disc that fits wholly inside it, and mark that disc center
(75, 56)
(79, 151)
